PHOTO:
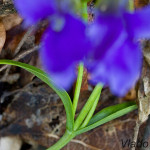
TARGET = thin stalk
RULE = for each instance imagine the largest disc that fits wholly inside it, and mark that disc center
(131, 5)
(90, 114)
(68, 136)
(87, 106)
(78, 87)
(84, 12)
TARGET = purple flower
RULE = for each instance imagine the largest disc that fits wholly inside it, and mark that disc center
(34, 10)
(64, 48)
(64, 43)
(138, 24)
(116, 57)
(109, 46)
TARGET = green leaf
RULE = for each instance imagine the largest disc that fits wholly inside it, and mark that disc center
(43, 76)
(108, 114)
(109, 110)
(78, 87)
(85, 110)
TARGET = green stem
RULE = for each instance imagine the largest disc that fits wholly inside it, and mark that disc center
(70, 135)
(84, 12)
(78, 88)
(91, 112)
(87, 106)
(63, 141)
(131, 5)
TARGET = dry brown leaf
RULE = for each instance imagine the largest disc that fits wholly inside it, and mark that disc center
(40, 30)
(44, 120)
(11, 21)
(131, 95)
(84, 86)
(141, 3)
(14, 37)
(2, 35)
(10, 143)
(12, 43)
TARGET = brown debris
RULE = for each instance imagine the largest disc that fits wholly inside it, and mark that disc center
(30, 110)
(140, 3)
(144, 94)
(11, 20)
(131, 95)
(36, 114)
(84, 86)
(2, 35)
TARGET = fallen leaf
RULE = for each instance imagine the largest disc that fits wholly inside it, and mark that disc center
(84, 86)
(41, 27)
(11, 21)
(2, 35)
(36, 115)
(131, 95)
(10, 143)
(141, 3)
(14, 37)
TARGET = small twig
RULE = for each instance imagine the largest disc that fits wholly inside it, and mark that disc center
(21, 56)
(7, 72)
(26, 53)
(31, 29)
(75, 141)
(6, 94)
(136, 132)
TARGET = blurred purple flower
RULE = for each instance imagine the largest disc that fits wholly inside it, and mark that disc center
(116, 57)
(63, 50)
(34, 10)
(64, 43)
(111, 52)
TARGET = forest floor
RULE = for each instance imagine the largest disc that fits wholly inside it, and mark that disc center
(32, 116)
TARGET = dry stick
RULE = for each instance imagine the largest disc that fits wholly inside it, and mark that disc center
(136, 131)
(26, 53)
(31, 29)
(7, 71)
(21, 56)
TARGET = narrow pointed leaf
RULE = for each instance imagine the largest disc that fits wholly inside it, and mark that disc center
(108, 114)
(109, 111)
